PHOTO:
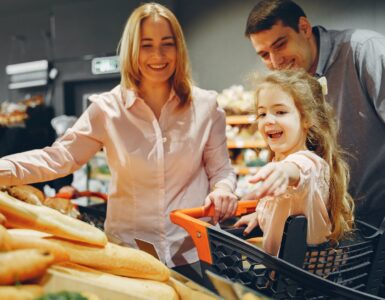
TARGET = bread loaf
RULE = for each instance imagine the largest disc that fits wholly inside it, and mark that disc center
(112, 258)
(24, 215)
(134, 288)
(21, 265)
(5, 240)
(20, 292)
(17, 242)
(27, 193)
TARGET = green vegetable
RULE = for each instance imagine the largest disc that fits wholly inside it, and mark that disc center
(64, 295)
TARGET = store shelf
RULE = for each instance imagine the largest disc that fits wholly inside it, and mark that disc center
(245, 170)
(240, 119)
(245, 144)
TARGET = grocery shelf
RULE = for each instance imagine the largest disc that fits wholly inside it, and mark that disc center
(240, 119)
(245, 144)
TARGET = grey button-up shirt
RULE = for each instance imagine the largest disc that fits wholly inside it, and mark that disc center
(353, 62)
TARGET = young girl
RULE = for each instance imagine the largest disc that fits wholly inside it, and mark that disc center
(307, 175)
(164, 140)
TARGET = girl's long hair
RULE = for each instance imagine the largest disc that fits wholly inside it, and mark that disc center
(129, 47)
(321, 138)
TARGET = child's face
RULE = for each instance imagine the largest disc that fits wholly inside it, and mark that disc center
(279, 121)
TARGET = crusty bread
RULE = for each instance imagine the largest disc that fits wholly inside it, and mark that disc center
(133, 287)
(27, 193)
(112, 258)
(24, 215)
(21, 292)
(2, 219)
(17, 242)
(5, 240)
(21, 265)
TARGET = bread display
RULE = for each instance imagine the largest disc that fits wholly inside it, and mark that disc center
(5, 239)
(24, 215)
(114, 259)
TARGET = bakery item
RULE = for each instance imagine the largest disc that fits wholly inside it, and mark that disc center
(112, 258)
(24, 215)
(27, 193)
(21, 292)
(134, 288)
(5, 240)
(21, 265)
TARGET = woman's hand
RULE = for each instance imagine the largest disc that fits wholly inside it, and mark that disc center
(225, 204)
(274, 178)
(250, 220)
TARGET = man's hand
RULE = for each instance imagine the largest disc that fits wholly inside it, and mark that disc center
(250, 220)
(225, 204)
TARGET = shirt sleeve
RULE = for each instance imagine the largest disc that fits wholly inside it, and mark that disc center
(370, 61)
(216, 156)
(65, 156)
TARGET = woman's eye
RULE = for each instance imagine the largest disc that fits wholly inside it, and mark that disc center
(169, 44)
(146, 46)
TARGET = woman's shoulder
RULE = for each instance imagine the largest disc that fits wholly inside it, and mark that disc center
(115, 95)
(200, 94)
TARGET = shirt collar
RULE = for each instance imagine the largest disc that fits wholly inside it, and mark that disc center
(131, 97)
(324, 49)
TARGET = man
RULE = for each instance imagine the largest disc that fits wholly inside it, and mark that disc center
(353, 61)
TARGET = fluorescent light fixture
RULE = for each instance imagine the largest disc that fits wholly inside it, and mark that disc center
(29, 74)
(27, 67)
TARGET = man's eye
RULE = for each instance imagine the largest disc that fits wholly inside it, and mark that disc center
(264, 55)
(279, 45)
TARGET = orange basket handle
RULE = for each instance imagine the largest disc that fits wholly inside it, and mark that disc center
(82, 194)
(188, 219)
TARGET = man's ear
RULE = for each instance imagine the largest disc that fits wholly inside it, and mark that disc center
(304, 26)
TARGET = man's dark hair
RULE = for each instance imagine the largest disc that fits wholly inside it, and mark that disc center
(268, 12)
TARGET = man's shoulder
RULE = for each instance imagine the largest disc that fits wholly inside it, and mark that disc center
(354, 36)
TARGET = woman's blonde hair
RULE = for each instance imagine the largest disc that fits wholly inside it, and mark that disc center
(321, 138)
(129, 47)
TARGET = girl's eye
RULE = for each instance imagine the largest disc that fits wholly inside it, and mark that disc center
(281, 112)
(261, 115)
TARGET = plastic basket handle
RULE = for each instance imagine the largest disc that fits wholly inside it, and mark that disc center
(188, 219)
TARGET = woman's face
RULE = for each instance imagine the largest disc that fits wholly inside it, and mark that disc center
(157, 53)
(279, 121)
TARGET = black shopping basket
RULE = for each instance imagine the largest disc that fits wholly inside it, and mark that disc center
(351, 270)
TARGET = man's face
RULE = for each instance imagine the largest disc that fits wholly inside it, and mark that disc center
(281, 47)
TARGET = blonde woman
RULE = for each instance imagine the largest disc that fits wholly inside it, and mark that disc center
(307, 175)
(164, 140)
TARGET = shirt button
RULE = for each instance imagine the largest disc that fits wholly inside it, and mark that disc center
(164, 139)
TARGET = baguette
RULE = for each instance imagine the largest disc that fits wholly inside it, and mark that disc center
(21, 265)
(21, 292)
(17, 242)
(24, 215)
(112, 258)
(5, 240)
(134, 288)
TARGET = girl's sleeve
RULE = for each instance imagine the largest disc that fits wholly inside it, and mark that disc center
(65, 156)
(216, 155)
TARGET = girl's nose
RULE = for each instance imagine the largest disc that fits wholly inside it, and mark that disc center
(270, 118)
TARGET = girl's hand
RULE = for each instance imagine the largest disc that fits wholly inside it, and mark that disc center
(274, 178)
(250, 220)
(225, 204)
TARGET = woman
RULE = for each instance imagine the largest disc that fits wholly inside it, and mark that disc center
(164, 140)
